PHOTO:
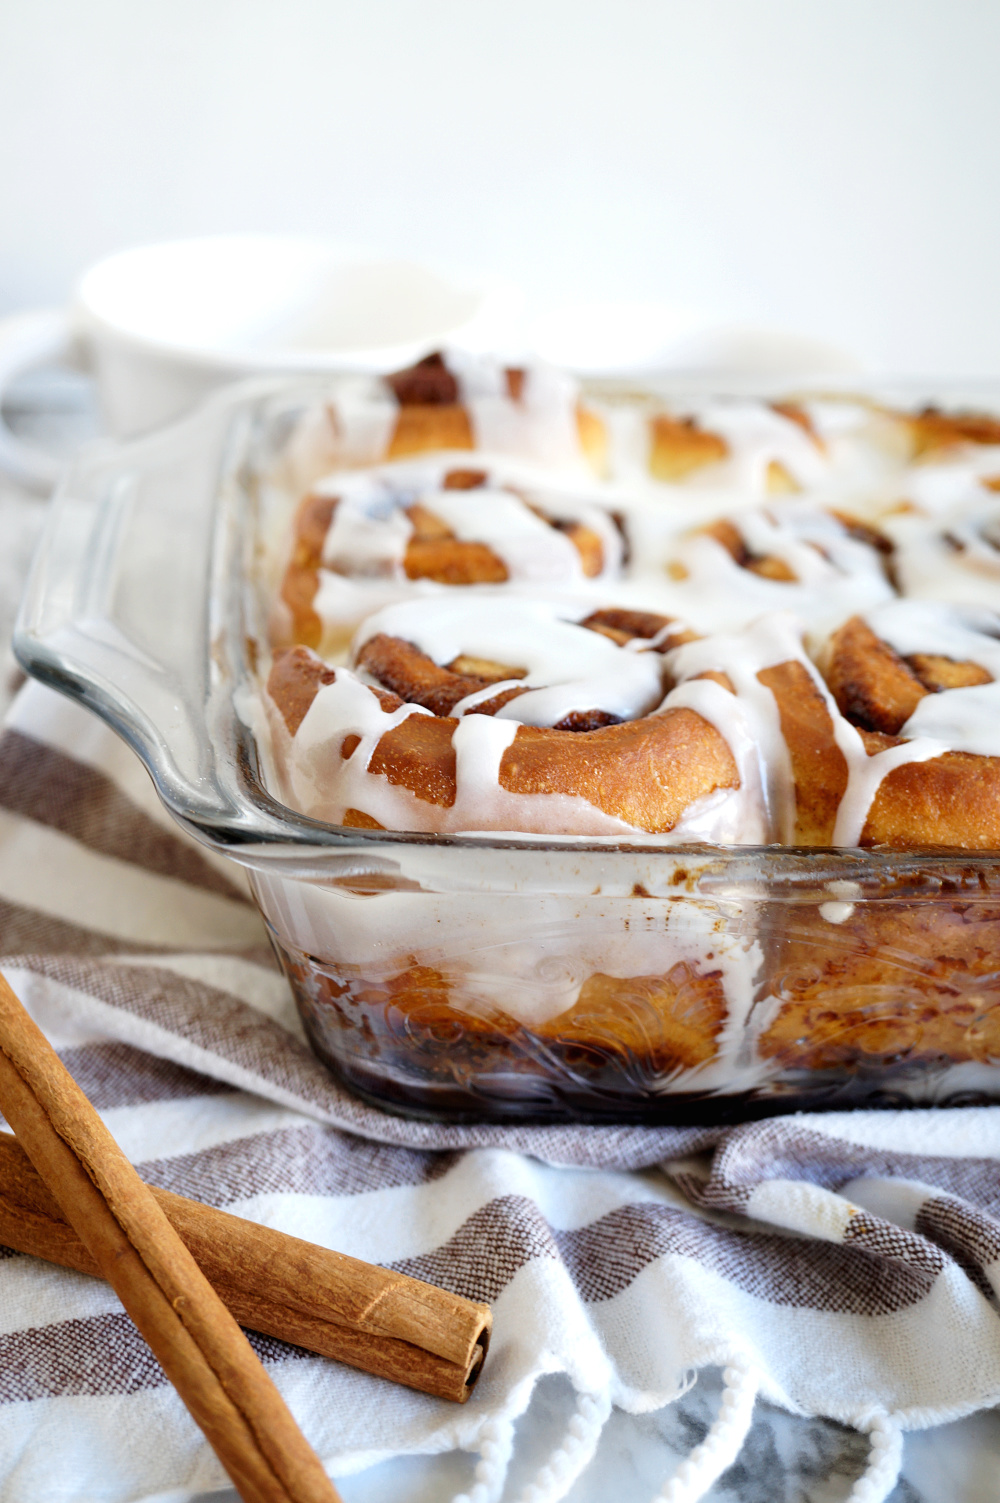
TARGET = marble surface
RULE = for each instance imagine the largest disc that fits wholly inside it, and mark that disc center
(785, 1459)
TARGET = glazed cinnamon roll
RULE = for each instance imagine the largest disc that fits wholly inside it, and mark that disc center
(479, 714)
(363, 539)
(796, 556)
(933, 431)
(908, 755)
(452, 401)
(900, 746)
(766, 697)
(953, 557)
(918, 684)
(761, 448)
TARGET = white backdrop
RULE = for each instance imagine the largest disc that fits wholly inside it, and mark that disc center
(827, 165)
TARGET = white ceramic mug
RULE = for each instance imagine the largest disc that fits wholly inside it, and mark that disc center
(160, 326)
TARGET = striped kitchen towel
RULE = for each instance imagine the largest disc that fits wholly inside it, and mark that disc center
(845, 1266)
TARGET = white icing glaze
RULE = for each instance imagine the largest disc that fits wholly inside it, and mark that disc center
(955, 719)
(353, 428)
(748, 718)
(935, 487)
(324, 785)
(365, 546)
(362, 541)
(954, 557)
(570, 669)
(567, 667)
(845, 894)
(837, 575)
(540, 425)
(533, 551)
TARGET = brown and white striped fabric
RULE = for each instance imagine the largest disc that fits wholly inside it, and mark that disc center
(846, 1266)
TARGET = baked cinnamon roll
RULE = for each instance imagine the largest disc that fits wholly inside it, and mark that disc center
(918, 684)
(477, 714)
(764, 694)
(900, 746)
(448, 402)
(760, 448)
(909, 754)
(363, 539)
(954, 557)
(620, 1035)
(797, 556)
(933, 431)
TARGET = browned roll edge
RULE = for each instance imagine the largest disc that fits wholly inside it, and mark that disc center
(645, 772)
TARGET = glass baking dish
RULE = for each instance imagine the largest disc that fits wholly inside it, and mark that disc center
(472, 977)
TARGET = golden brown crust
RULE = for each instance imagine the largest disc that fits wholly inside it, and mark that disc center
(874, 688)
(800, 417)
(669, 1022)
(426, 383)
(464, 480)
(951, 800)
(432, 417)
(428, 429)
(452, 561)
(779, 480)
(587, 544)
(937, 673)
(622, 625)
(417, 754)
(296, 677)
(819, 768)
(646, 772)
(434, 552)
(487, 669)
(678, 447)
(354, 819)
(933, 430)
(301, 580)
(593, 438)
(427, 526)
(416, 678)
(766, 565)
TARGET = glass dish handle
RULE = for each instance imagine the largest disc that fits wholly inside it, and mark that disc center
(114, 611)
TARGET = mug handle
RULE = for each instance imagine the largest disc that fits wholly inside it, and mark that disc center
(42, 337)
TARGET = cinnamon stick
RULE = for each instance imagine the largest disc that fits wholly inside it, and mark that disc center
(385, 1323)
(196, 1340)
